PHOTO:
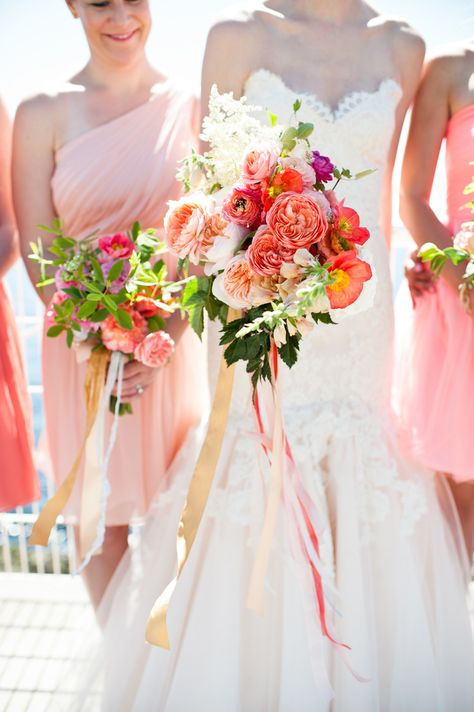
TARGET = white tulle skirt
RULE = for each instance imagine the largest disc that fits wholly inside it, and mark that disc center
(389, 546)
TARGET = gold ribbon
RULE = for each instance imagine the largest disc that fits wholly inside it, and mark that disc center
(93, 389)
(201, 482)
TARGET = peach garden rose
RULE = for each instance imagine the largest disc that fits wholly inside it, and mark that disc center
(297, 221)
(155, 350)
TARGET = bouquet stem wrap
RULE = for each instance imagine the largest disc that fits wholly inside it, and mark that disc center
(201, 482)
(93, 390)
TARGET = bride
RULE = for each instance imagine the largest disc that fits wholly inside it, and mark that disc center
(385, 544)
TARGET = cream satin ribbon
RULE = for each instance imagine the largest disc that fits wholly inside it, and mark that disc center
(201, 482)
(256, 593)
(93, 390)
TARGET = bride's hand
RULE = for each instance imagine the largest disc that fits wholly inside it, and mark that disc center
(136, 379)
(419, 277)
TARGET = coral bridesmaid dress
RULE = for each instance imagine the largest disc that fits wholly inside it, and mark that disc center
(435, 361)
(18, 478)
(114, 174)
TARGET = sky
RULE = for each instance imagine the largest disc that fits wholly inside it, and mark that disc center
(40, 43)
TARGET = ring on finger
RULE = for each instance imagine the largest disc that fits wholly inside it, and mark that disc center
(139, 389)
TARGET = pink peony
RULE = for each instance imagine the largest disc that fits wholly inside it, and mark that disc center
(322, 167)
(259, 163)
(49, 317)
(243, 207)
(116, 338)
(297, 220)
(191, 227)
(155, 349)
(121, 280)
(118, 246)
(265, 255)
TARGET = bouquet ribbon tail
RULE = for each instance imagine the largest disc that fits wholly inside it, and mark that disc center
(198, 493)
(93, 388)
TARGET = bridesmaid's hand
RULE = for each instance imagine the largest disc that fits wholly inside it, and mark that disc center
(467, 300)
(419, 277)
(136, 379)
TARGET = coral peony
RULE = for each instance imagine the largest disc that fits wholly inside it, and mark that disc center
(187, 226)
(297, 220)
(303, 167)
(116, 338)
(243, 207)
(234, 285)
(349, 273)
(155, 349)
(118, 246)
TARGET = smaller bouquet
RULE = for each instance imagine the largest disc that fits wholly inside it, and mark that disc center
(275, 241)
(461, 251)
(109, 295)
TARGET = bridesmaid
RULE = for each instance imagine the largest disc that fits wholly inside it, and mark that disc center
(101, 153)
(435, 365)
(18, 478)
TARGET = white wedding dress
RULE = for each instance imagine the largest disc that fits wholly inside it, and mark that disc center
(386, 546)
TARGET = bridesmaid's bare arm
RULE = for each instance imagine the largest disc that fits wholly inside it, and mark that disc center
(8, 238)
(427, 130)
(33, 166)
(408, 51)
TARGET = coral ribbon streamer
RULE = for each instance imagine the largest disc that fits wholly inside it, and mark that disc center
(93, 389)
(201, 482)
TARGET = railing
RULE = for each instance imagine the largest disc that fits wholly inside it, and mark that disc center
(15, 527)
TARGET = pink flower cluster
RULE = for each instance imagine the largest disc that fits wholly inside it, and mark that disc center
(279, 207)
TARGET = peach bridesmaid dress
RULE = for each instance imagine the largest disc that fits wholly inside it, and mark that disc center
(18, 478)
(105, 179)
(435, 361)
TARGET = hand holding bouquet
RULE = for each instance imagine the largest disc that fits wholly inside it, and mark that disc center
(461, 252)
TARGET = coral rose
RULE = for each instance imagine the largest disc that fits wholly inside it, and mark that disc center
(187, 225)
(243, 207)
(155, 349)
(118, 246)
(265, 255)
(349, 273)
(297, 220)
(116, 338)
(259, 163)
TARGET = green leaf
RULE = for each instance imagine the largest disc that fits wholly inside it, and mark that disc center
(66, 243)
(99, 315)
(297, 106)
(73, 292)
(272, 118)
(93, 297)
(323, 318)
(124, 319)
(115, 271)
(304, 130)
(235, 351)
(136, 229)
(85, 310)
(156, 323)
(97, 269)
(55, 330)
(45, 282)
(109, 304)
(289, 351)
(69, 337)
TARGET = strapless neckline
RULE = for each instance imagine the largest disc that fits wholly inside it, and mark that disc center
(346, 104)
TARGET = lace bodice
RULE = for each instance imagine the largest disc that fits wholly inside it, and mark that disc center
(348, 363)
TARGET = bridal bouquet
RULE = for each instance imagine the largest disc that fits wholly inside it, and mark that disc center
(461, 251)
(262, 215)
(109, 295)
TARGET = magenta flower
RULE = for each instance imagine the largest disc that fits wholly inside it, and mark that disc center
(323, 167)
